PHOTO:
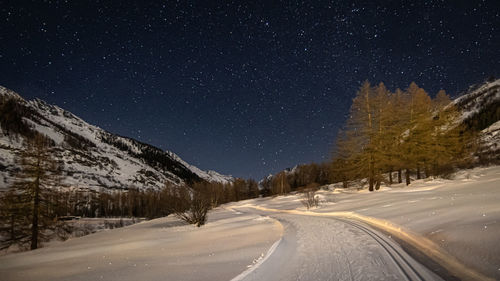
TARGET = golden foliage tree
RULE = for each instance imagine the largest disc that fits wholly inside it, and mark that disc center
(388, 132)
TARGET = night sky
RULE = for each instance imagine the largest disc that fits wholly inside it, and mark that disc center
(245, 89)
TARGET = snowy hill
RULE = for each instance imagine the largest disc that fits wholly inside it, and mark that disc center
(93, 158)
(480, 107)
(480, 104)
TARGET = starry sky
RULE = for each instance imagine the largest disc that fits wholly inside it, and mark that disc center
(243, 88)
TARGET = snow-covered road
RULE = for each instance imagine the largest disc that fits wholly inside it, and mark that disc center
(322, 248)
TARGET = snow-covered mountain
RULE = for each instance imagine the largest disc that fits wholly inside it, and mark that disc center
(480, 107)
(479, 104)
(93, 158)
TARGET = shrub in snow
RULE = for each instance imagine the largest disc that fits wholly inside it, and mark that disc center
(189, 204)
(196, 213)
(309, 198)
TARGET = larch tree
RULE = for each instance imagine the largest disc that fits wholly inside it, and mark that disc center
(280, 184)
(13, 225)
(345, 166)
(404, 130)
(449, 140)
(400, 101)
(418, 130)
(361, 132)
(383, 119)
(253, 189)
(32, 208)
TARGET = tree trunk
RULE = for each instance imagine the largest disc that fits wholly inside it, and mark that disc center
(390, 176)
(377, 185)
(407, 174)
(400, 178)
(12, 229)
(371, 179)
(418, 172)
(344, 183)
(282, 188)
(36, 206)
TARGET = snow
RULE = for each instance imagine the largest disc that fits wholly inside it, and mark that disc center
(454, 221)
(57, 137)
(161, 249)
(6, 92)
(490, 139)
(457, 220)
(473, 101)
(208, 175)
(257, 262)
(325, 249)
(95, 167)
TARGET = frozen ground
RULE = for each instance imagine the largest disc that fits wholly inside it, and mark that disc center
(353, 235)
(161, 249)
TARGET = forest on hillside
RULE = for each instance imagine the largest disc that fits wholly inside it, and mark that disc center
(35, 208)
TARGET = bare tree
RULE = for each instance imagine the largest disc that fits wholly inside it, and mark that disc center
(309, 198)
(29, 208)
(190, 204)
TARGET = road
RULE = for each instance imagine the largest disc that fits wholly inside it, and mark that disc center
(322, 248)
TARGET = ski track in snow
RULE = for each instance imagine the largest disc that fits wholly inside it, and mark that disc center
(320, 248)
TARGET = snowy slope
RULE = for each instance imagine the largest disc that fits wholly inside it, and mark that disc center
(459, 218)
(160, 249)
(480, 107)
(206, 175)
(489, 141)
(478, 99)
(94, 158)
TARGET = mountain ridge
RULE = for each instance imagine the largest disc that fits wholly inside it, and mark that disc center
(93, 157)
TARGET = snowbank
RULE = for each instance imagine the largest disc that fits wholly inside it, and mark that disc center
(161, 249)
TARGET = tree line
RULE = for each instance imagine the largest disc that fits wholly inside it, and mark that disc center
(35, 207)
(301, 177)
(388, 137)
(408, 131)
